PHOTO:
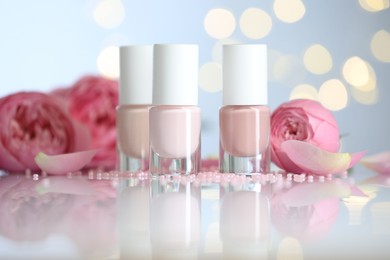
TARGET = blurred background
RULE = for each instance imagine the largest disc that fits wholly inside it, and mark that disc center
(336, 52)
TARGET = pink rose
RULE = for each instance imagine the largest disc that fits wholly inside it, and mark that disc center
(303, 120)
(32, 122)
(92, 100)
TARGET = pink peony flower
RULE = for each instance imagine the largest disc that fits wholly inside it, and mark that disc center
(33, 122)
(92, 100)
(303, 120)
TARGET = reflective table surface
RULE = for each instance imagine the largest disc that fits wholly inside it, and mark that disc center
(109, 215)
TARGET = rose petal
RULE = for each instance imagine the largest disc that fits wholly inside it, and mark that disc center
(355, 158)
(379, 162)
(7, 161)
(64, 163)
(65, 185)
(314, 160)
(327, 137)
(282, 160)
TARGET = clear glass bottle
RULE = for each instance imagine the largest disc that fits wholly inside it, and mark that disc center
(135, 99)
(244, 118)
(175, 119)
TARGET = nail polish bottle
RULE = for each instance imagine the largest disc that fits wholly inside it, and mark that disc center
(244, 118)
(135, 99)
(175, 119)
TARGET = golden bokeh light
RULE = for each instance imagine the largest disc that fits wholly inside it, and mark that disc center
(371, 83)
(333, 95)
(356, 72)
(108, 62)
(380, 45)
(374, 5)
(109, 13)
(317, 59)
(219, 23)
(289, 249)
(286, 69)
(273, 57)
(255, 23)
(355, 204)
(304, 91)
(289, 11)
(210, 77)
(365, 97)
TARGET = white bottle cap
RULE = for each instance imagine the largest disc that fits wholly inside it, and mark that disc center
(136, 75)
(175, 74)
(245, 74)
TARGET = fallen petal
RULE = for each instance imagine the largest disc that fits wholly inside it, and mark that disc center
(64, 163)
(355, 158)
(314, 160)
(379, 162)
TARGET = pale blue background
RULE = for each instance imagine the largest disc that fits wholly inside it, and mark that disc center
(45, 44)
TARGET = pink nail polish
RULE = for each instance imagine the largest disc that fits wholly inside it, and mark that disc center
(135, 99)
(175, 119)
(244, 118)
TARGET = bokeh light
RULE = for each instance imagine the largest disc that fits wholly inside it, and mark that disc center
(289, 11)
(255, 23)
(355, 205)
(317, 59)
(365, 97)
(109, 13)
(380, 45)
(356, 72)
(217, 48)
(289, 249)
(304, 91)
(286, 69)
(219, 23)
(273, 57)
(366, 94)
(115, 39)
(108, 62)
(333, 95)
(210, 77)
(374, 5)
(370, 85)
